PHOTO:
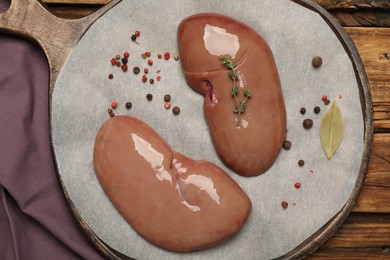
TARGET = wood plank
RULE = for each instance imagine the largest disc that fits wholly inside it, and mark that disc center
(379, 168)
(382, 117)
(351, 253)
(93, 2)
(362, 231)
(353, 4)
(373, 199)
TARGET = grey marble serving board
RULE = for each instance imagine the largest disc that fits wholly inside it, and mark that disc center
(83, 93)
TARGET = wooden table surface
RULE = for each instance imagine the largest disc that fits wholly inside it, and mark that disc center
(366, 232)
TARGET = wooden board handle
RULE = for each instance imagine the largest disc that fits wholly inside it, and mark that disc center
(57, 37)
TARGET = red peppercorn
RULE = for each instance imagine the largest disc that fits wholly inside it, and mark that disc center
(114, 104)
(158, 71)
(167, 105)
(297, 185)
(324, 98)
(147, 54)
(137, 34)
(146, 71)
(126, 54)
(144, 78)
(158, 78)
(124, 67)
(167, 55)
(150, 62)
(143, 55)
(113, 61)
(284, 204)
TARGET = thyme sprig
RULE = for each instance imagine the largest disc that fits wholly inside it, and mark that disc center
(239, 107)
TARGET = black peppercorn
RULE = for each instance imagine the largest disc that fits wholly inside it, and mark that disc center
(124, 60)
(307, 123)
(167, 98)
(303, 110)
(287, 145)
(133, 37)
(317, 110)
(151, 81)
(149, 97)
(136, 70)
(110, 76)
(301, 163)
(129, 105)
(176, 110)
(317, 62)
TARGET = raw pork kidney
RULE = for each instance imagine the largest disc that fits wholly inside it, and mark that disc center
(249, 139)
(171, 200)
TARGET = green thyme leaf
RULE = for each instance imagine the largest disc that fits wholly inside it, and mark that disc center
(228, 62)
(233, 75)
(235, 90)
(247, 93)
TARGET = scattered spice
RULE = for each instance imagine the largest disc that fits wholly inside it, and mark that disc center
(167, 105)
(284, 204)
(340, 97)
(176, 56)
(144, 78)
(324, 98)
(301, 162)
(113, 61)
(287, 145)
(159, 56)
(317, 110)
(297, 185)
(110, 76)
(158, 78)
(327, 102)
(136, 70)
(146, 71)
(124, 67)
(137, 34)
(110, 112)
(114, 104)
(176, 110)
(148, 54)
(143, 55)
(128, 105)
(167, 98)
(316, 62)
(134, 38)
(303, 110)
(118, 64)
(117, 56)
(149, 97)
(151, 81)
(150, 62)
(124, 60)
(126, 54)
(307, 123)
(167, 55)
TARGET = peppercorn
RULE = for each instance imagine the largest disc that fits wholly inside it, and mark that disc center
(176, 56)
(136, 70)
(317, 110)
(147, 54)
(151, 81)
(110, 76)
(144, 78)
(114, 104)
(301, 163)
(167, 105)
(287, 145)
(110, 112)
(117, 56)
(124, 60)
(324, 98)
(143, 55)
(126, 54)
(284, 204)
(159, 56)
(176, 110)
(146, 71)
(150, 62)
(113, 61)
(303, 110)
(297, 185)
(133, 37)
(124, 67)
(167, 98)
(118, 64)
(317, 62)
(327, 102)
(149, 97)
(137, 33)
(167, 55)
(158, 78)
(307, 123)
(128, 105)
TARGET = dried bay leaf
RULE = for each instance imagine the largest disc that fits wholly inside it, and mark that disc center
(332, 130)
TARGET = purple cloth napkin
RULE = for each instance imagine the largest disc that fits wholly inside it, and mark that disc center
(35, 221)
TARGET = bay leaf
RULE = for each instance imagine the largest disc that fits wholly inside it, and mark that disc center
(332, 130)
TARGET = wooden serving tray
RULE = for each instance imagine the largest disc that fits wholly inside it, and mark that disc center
(59, 37)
